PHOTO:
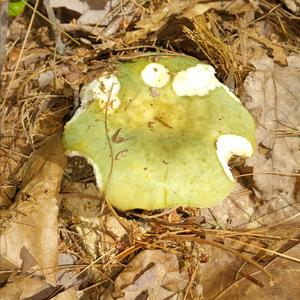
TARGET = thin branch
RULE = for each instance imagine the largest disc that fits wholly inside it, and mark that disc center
(3, 29)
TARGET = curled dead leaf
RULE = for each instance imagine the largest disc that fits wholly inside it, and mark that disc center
(30, 225)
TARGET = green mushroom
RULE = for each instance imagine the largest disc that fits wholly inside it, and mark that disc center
(159, 131)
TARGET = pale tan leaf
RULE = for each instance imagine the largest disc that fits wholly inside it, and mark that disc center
(153, 273)
(19, 287)
(218, 272)
(234, 211)
(155, 21)
(30, 224)
(279, 54)
(293, 5)
(201, 8)
(285, 286)
(91, 11)
(272, 94)
(240, 6)
(69, 294)
(99, 232)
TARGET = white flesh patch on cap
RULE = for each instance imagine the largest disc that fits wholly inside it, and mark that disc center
(155, 75)
(90, 162)
(103, 89)
(229, 145)
(196, 81)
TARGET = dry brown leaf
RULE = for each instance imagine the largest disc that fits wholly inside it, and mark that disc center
(91, 11)
(201, 8)
(233, 7)
(26, 287)
(262, 34)
(272, 94)
(29, 226)
(153, 273)
(80, 199)
(82, 202)
(4, 201)
(69, 294)
(34, 55)
(99, 232)
(76, 5)
(240, 6)
(224, 270)
(154, 21)
(28, 260)
(279, 54)
(218, 272)
(236, 210)
(19, 287)
(293, 5)
(286, 284)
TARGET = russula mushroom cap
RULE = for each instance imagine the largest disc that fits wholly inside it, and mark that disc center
(159, 132)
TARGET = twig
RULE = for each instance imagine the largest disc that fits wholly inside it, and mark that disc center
(3, 28)
(191, 281)
(86, 28)
(270, 173)
(241, 280)
(86, 268)
(111, 168)
(271, 252)
(50, 12)
(165, 212)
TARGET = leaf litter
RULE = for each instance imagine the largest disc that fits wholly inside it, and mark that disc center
(60, 240)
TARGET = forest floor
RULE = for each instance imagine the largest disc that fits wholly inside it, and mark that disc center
(60, 239)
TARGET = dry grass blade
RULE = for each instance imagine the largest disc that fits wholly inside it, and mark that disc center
(191, 281)
(254, 235)
(3, 29)
(270, 173)
(128, 251)
(85, 269)
(104, 193)
(297, 260)
(209, 41)
(240, 280)
(287, 132)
